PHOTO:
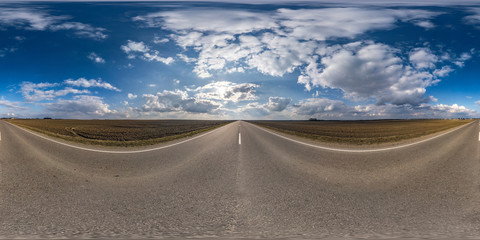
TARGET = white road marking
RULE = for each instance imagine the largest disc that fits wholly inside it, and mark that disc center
(239, 138)
(360, 150)
(478, 136)
(119, 152)
(0, 136)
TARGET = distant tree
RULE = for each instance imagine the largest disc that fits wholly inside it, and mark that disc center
(47, 118)
(312, 119)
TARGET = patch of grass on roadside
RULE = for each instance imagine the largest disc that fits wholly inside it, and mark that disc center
(362, 132)
(118, 133)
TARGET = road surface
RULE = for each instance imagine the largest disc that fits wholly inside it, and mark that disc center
(240, 181)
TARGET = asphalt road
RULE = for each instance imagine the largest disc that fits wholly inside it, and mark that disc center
(240, 181)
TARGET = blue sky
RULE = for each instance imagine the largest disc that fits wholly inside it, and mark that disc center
(227, 60)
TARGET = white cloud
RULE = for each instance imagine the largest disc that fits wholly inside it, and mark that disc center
(460, 61)
(152, 85)
(444, 71)
(323, 108)
(226, 91)
(453, 109)
(176, 101)
(153, 56)
(10, 105)
(82, 82)
(277, 104)
(82, 30)
(424, 24)
(287, 38)
(131, 96)
(327, 23)
(176, 81)
(473, 19)
(158, 40)
(39, 20)
(254, 109)
(273, 108)
(94, 57)
(229, 21)
(83, 106)
(369, 70)
(477, 102)
(284, 54)
(133, 48)
(31, 19)
(185, 58)
(33, 92)
(422, 58)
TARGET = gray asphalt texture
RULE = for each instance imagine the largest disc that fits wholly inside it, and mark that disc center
(265, 187)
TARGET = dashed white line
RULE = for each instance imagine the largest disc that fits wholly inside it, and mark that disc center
(0, 136)
(361, 150)
(239, 138)
(479, 136)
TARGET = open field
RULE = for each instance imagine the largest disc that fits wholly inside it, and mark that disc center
(118, 132)
(362, 132)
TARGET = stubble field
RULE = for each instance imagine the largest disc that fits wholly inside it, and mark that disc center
(123, 133)
(362, 132)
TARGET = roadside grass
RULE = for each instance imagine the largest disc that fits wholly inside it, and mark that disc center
(118, 133)
(368, 132)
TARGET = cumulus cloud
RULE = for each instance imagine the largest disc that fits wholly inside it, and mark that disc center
(277, 104)
(176, 101)
(323, 108)
(273, 107)
(185, 58)
(39, 20)
(424, 24)
(131, 96)
(286, 38)
(460, 61)
(254, 109)
(158, 40)
(82, 82)
(442, 72)
(226, 91)
(95, 58)
(453, 109)
(33, 92)
(370, 70)
(423, 58)
(133, 49)
(82, 106)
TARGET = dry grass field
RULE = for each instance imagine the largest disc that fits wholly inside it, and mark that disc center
(118, 132)
(362, 132)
